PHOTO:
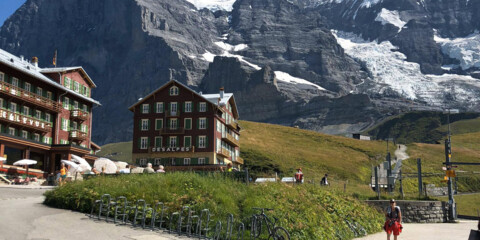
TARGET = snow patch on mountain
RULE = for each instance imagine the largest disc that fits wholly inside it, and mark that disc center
(297, 82)
(209, 57)
(466, 50)
(390, 17)
(230, 48)
(213, 5)
(391, 71)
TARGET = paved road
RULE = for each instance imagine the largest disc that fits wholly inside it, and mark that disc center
(434, 231)
(23, 216)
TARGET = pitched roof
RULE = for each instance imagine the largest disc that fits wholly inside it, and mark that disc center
(212, 98)
(68, 69)
(28, 68)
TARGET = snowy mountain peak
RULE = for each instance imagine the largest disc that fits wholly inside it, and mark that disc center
(213, 5)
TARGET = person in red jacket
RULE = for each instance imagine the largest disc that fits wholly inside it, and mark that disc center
(299, 176)
(393, 221)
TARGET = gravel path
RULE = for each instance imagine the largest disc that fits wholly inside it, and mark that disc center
(434, 231)
(23, 216)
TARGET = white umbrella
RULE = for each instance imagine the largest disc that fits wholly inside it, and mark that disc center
(2, 159)
(121, 165)
(25, 162)
(107, 163)
(71, 164)
(81, 162)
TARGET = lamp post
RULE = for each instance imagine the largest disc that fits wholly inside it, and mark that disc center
(448, 156)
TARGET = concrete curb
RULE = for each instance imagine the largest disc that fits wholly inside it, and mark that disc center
(26, 187)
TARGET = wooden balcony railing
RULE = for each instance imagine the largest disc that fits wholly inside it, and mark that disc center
(21, 120)
(231, 139)
(79, 115)
(232, 125)
(172, 114)
(172, 131)
(239, 160)
(24, 95)
(224, 153)
(77, 135)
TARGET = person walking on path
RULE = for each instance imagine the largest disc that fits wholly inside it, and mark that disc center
(63, 174)
(393, 221)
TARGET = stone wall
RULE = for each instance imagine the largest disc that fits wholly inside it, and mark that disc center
(416, 211)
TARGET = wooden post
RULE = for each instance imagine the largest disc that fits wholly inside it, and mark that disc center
(2, 154)
(420, 184)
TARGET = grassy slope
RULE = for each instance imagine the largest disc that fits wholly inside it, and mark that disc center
(466, 204)
(274, 148)
(306, 211)
(463, 126)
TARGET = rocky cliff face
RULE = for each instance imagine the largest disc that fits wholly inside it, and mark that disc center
(280, 57)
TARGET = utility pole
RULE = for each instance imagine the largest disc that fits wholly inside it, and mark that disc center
(377, 187)
(420, 184)
(448, 156)
(389, 173)
(401, 184)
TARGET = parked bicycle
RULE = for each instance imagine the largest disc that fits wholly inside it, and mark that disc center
(274, 232)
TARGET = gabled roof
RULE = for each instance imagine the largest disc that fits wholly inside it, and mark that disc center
(68, 69)
(212, 98)
(29, 69)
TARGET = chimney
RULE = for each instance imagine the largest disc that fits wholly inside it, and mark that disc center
(35, 61)
(221, 92)
(21, 58)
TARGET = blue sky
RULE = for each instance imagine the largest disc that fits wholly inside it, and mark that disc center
(8, 7)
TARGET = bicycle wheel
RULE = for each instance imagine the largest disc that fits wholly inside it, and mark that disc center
(256, 227)
(279, 233)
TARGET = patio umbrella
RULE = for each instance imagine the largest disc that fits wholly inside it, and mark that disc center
(107, 163)
(121, 165)
(25, 162)
(82, 163)
(2, 159)
(73, 166)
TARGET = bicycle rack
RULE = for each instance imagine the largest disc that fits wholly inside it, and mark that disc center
(241, 231)
(140, 203)
(218, 231)
(228, 234)
(205, 213)
(253, 228)
(120, 209)
(95, 204)
(102, 209)
(186, 214)
(172, 217)
(155, 213)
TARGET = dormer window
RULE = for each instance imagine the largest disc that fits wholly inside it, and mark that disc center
(173, 91)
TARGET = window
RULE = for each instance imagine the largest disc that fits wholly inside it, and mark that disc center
(36, 137)
(159, 107)
(158, 141)
(188, 124)
(172, 161)
(75, 105)
(219, 126)
(202, 142)
(202, 123)
(38, 114)
(186, 161)
(145, 108)
(48, 117)
(15, 82)
(64, 124)
(13, 107)
(39, 91)
(24, 134)
(85, 108)
(144, 143)
(187, 141)
(145, 124)
(218, 145)
(2, 77)
(203, 107)
(173, 91)
(46, 140)
(188, 106)
(142, 162)
(49, 95)
(26, 111)
(158, 124)
(66, 103)
(67, 82)
(85, 91)
(28, 87)
(11, 131)
(157, 161)
(173, 142)
(75, 125)
(201, 161)
(173, 108)
(76, 87)
(1, 103)
(173, 123)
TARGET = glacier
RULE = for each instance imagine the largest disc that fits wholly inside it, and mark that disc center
(213, 5)
(390, 17)
(466, 49)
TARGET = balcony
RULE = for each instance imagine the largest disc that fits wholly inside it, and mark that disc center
(77, 136)
(239, 160)
(79, 115)
(26, 96)
(172, 131)
(172, 114)
(232, 125)
(23, 121)
(231, 139)
(224, 153)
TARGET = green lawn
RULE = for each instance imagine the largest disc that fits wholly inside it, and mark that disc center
(466, 204)
(121, 151)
